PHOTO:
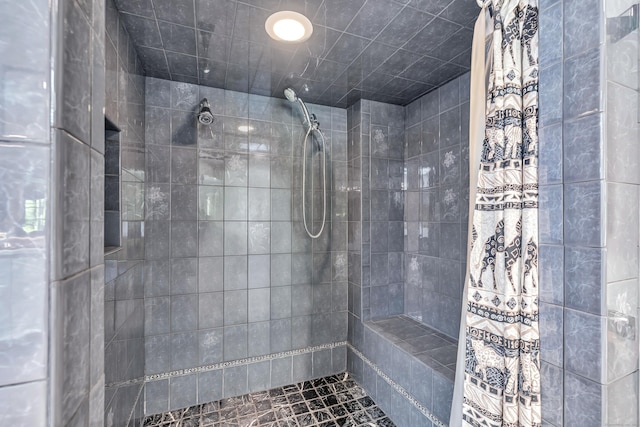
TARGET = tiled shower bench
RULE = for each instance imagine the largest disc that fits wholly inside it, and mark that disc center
(407, 367)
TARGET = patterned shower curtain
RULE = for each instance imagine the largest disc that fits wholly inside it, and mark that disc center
(502, 363)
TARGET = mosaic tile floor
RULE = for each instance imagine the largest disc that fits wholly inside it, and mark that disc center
(325, 402)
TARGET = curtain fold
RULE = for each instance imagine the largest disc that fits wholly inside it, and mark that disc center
(479, 75)
(500, 378)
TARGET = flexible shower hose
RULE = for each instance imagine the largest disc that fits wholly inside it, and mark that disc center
(304, 182)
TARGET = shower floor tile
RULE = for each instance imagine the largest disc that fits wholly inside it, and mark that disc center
(325, 402)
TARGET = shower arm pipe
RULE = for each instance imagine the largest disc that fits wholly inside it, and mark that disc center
(324, 181)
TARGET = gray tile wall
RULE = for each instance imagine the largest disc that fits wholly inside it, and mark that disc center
(436, 205)
(124, 270)
(551, 231)
(588, 215)
(354, 216)
(376, 209)
(71, 222)
(382, 143)
(25, 154)
(621, 135)
(77, 265)
(377, 284)
(576, 190)
(230, 271)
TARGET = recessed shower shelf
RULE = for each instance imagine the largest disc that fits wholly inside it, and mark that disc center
(112, 186)
(108, 250)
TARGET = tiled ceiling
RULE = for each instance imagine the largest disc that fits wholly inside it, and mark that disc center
(382, 50)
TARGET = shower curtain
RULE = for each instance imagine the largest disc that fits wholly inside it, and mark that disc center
(498, 372)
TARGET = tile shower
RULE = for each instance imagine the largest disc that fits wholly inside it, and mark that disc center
(232, 276)
(216, 293)
(237, 298)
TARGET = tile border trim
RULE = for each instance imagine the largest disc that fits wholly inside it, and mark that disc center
(397, 387)
(245, 361)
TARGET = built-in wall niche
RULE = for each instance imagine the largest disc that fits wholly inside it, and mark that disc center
(112, 178)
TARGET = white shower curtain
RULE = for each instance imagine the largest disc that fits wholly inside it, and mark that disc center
(498, 373)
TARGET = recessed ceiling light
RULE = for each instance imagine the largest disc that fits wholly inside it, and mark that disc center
(289, 27)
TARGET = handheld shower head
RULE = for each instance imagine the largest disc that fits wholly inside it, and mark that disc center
(290, 94)
(205, 116)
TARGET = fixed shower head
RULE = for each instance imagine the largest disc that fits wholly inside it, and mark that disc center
(290, 94)
(205, 116)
